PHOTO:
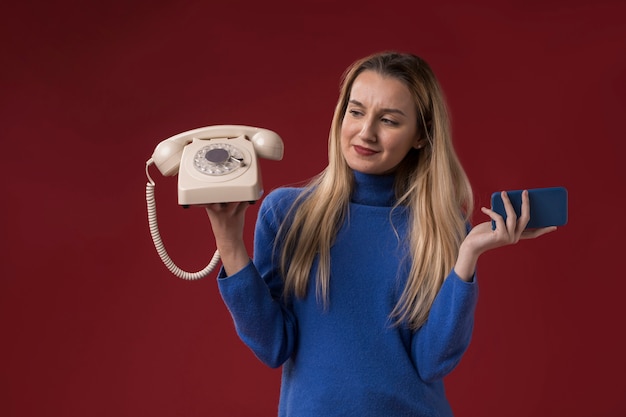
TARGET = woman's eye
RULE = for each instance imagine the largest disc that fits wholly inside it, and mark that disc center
(389, 122)
(355, 113)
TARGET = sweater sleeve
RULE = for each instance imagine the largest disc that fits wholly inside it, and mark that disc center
(253, 295)
(443, 339)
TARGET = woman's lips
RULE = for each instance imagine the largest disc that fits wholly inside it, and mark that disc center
(364, 151)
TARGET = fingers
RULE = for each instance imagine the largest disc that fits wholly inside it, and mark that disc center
(516, 225)
(511, 229)
(227, 208)
(533, 233)
(511, 216)
(508, 226)
(498, 220)
(525, 212)
(502, 234)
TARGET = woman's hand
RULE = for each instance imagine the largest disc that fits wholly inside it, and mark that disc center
(227, 222)
(483, 237)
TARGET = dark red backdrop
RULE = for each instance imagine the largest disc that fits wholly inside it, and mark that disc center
(94, 325)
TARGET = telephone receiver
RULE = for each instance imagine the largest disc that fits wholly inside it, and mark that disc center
(215, 164)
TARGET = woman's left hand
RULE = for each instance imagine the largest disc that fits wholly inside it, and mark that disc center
(483, 237)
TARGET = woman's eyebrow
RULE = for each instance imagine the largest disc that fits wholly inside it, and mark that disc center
(384, 110)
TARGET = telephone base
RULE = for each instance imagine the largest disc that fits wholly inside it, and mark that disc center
(186, 206)
(212, 195)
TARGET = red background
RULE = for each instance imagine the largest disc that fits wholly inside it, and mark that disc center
(94, 325)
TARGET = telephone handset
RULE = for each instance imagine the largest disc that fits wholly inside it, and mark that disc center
(215, 164)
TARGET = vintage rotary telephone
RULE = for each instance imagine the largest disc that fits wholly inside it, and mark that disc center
(215, 164)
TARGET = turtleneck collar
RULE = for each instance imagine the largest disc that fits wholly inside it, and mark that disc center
(373, 190)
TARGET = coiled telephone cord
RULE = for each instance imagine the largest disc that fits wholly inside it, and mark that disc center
(158, 243)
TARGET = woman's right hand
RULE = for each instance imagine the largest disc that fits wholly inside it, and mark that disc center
(227, 222)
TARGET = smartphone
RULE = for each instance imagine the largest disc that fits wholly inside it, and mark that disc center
(548, 206)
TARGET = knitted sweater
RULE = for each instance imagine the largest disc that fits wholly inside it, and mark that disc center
(349, 359)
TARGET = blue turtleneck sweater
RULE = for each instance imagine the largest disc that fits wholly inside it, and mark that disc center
(350, 359)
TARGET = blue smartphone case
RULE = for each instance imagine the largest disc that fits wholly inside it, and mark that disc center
(548, 206)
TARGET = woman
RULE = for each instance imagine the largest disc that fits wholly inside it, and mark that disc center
(363, 283)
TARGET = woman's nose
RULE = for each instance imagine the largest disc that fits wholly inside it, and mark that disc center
(368, 131)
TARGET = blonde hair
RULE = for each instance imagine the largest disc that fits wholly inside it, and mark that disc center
(430, 182)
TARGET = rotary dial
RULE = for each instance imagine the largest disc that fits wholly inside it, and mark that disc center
(218, 159)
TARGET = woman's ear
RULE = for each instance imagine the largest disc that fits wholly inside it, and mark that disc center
(419, 143)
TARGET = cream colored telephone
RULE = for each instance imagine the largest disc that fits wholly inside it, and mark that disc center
(215, 164)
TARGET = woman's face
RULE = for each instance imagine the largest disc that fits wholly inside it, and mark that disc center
(380, 124)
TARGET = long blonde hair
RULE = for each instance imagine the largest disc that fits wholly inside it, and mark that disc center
(430, 182)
